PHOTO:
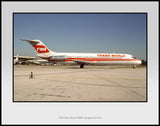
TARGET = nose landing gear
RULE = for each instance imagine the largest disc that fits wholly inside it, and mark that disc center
(134, 66)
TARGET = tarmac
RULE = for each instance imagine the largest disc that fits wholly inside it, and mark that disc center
(73, 84)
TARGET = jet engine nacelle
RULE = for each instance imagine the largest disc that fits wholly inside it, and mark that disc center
(58, 58)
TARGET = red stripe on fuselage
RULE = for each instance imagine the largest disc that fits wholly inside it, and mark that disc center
(101, 59)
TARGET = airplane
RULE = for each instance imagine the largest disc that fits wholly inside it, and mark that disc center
(22, 59)
(16, 60)
(83, 58)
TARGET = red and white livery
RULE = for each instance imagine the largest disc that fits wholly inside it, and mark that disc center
(83, 58)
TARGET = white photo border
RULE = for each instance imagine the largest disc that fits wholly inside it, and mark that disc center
(68, 113)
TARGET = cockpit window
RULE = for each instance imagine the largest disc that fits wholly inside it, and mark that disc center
(134, 57)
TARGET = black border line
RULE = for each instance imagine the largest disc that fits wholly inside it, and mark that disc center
(80, 13)
(81, 1)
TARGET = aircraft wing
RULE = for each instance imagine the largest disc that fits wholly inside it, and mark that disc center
(81, 62)
(37, 61)
(32, 61)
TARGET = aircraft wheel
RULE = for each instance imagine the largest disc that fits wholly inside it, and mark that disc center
(81, 65)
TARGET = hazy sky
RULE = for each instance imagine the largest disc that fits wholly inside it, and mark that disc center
(97, 33)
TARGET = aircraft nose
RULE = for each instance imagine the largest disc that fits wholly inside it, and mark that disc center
(139, 61)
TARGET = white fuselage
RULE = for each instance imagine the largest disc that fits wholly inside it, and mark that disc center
(93, 58)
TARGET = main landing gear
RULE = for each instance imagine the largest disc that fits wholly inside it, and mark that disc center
(82, 65)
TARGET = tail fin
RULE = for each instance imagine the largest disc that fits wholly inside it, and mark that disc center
(38, 46)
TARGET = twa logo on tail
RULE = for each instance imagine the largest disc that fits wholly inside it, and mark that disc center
(41, 49)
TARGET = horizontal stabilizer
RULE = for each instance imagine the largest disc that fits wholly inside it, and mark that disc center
(33, 42)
